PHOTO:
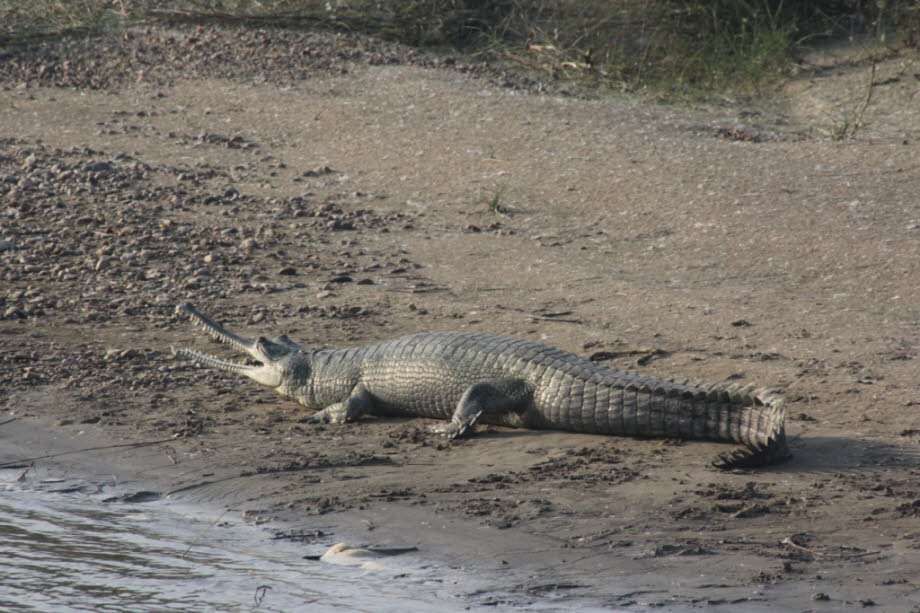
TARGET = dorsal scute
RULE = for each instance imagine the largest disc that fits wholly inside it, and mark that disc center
(674, 391)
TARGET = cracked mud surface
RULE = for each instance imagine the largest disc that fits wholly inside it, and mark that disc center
(338, 190)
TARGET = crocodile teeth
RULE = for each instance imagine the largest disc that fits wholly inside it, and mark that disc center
(210, 360)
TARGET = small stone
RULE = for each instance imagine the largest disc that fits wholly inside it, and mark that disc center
(318, 171)
(30, 162)
(99, 167)
(288, 270)
(340, 224)
(13, 313)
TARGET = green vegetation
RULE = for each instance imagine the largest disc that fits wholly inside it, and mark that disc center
(681, 48)
(37, 18)
(495, 202)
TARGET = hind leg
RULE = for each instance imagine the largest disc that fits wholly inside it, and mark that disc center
(491, 397)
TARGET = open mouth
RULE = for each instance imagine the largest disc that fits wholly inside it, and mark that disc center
(263, 351)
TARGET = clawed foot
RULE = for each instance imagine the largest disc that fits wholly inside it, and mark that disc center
(455, 427)
(450, 430)
(334, 414)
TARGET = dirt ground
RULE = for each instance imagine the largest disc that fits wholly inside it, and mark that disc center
(345, 191)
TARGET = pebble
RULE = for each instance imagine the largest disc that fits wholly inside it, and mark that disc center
(119, 354)
(13, 313)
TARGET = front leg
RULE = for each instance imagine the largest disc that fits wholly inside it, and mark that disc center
(492, 397)
(359, 402)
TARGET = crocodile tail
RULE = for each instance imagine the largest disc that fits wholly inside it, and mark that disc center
(764, 438)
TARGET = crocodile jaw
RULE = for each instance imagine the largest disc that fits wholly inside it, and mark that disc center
(271, 355)
(268, 373)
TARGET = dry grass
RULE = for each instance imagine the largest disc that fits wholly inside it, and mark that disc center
(679, 48)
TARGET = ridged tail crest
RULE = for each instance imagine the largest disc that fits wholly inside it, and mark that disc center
(764, 432)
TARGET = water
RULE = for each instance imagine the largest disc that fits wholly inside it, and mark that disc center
(64, 550)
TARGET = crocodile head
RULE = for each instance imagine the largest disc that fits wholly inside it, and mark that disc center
(273, 355)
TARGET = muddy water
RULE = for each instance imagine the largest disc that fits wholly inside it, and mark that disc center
(62, 549)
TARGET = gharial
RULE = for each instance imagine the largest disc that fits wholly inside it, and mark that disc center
(466, 377)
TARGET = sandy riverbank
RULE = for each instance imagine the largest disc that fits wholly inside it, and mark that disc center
(341, 195)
